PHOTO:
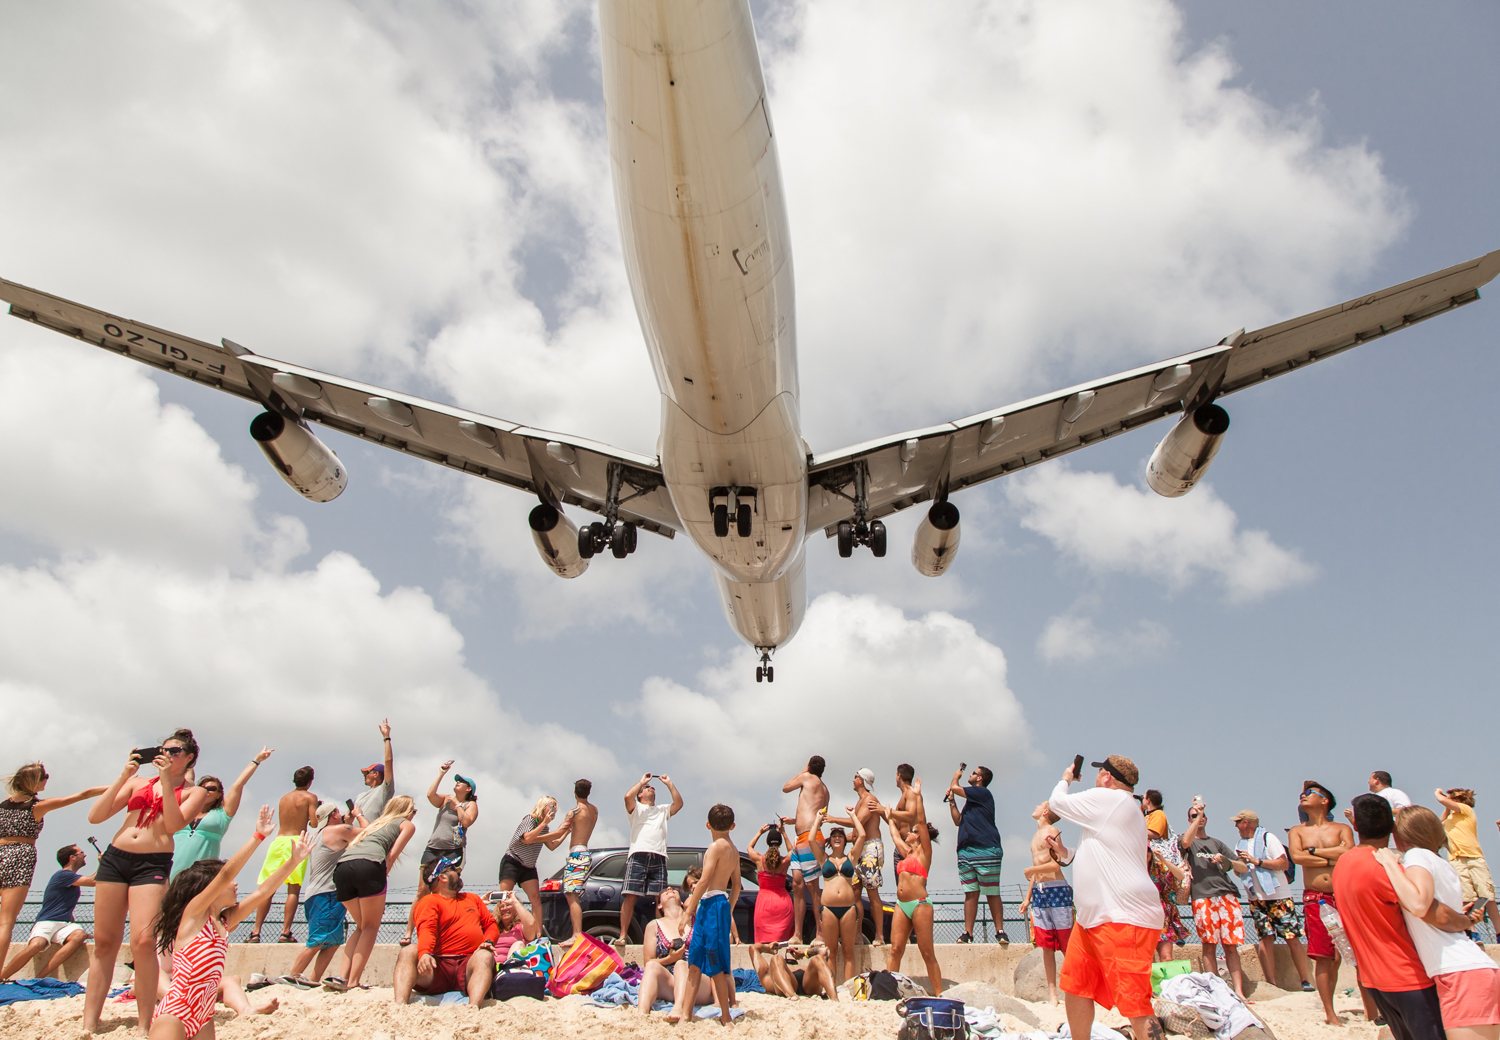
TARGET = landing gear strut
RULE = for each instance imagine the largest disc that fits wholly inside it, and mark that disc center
(763, 671)
(860, 530)
(734, 507)
(618, 536)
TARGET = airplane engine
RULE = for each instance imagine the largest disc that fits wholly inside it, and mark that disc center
(557, 540)
(1183, 455)
(304, 462)
(936, 542)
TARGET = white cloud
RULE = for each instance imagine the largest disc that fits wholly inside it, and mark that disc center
(1109, 527)
(863, 684)
(1071, 637)
(1022, 193)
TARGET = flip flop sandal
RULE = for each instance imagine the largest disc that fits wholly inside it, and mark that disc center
(254, 937)
(287, 937)
(335, 984)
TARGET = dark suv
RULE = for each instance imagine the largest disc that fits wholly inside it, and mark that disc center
(603, 895)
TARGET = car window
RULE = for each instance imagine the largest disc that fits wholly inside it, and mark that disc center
(748, 882)
(612, 869)
(679, 863)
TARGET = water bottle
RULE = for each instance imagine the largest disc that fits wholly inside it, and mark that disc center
(1335, 926)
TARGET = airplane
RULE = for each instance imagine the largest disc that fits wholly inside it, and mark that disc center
(707, 249)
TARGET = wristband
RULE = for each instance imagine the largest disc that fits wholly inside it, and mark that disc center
(259, 836)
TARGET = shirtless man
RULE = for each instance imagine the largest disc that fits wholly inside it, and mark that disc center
(904, 812)
(1049, 897)
(711, 909)
(294, 814)
(812, 804)
(580, 821)
(869, 872)
(1316, 846)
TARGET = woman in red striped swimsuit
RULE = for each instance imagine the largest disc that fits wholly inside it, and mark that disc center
(197, 913)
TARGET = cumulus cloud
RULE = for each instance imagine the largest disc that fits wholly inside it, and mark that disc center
(1026, 193)
(1074, 638)
(1109, 527)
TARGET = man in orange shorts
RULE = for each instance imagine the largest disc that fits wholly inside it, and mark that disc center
(1118, 915)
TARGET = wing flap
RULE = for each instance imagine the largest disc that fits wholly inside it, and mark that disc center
(559, 468)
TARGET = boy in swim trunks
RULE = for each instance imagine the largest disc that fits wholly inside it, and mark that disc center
(294, 814)
(580, 819)
(812, 805)
(711, 907)
(1049, 897)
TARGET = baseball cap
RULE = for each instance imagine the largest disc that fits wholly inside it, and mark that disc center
(868, 776)
(1121, 768)
(325, 810)
(376, 768)
(473, 787)
(1314, 785)
(1245, 816)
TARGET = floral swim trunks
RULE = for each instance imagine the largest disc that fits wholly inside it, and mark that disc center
(871, 863)
(1219, 920)
(577, 870)
(1275, 918)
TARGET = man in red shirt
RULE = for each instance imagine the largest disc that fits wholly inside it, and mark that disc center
(1389, 967)
(455, 946)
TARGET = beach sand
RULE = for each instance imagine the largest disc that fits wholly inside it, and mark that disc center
(370, 1015)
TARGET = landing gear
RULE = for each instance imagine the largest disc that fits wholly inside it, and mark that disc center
(612, 533)
(721, 521)
(733, 504)
(742, 521)
(622, 541)
(859, 531)
(763, 671)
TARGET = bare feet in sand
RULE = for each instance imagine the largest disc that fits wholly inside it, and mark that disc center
(264, 1009)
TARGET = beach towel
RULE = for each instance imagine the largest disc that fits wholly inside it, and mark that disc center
(1222, 1011)
(583, 967)
(615, 991)
(746, 981)
(536, 957)
(36, 989)
(712, 1011)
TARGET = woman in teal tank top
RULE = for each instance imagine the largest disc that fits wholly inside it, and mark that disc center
(201, 838)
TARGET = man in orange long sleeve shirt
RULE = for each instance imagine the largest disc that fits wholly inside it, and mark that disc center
(455, 946)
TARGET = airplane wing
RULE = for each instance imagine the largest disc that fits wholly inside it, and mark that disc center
(913, 467)
(557, 468)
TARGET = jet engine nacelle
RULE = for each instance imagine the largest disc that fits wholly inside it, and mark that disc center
(557, 540)
(304, 462)
(1183, 455)
(936, 542)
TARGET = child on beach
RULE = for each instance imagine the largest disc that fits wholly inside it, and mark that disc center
(1049, 897)
(198, 911)
(711, 909)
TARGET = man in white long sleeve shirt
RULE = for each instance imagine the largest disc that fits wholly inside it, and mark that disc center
(1117, 909)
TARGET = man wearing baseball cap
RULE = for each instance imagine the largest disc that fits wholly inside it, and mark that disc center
(380, 782)
(1273, 910)
(1117, 909)
(869, 872)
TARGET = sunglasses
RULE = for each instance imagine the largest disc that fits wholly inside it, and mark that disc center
(1313, 790)
(46, 775)
(215, 790)
(174, 751)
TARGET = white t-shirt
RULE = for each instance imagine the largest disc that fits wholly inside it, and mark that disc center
(1396, 797)
(1274, 850)
(648, 828)
(1441, 952)
(1110, 882)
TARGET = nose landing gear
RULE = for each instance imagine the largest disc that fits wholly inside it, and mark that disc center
(763, 671)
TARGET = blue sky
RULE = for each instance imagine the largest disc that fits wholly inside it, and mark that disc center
(989, 200)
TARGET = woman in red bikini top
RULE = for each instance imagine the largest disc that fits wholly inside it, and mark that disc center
(914, 913)
(133, 871)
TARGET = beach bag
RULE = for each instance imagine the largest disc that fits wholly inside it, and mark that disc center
(932, 1018)
(1163, 970)
(883, 986)
(584, 966)
(518, 982)
(536, 957)
(1181, 1019)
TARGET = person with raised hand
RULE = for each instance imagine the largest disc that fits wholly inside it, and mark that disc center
(359, 881)
(836, 859)
(456, 814)
(22, 816)
(646, 861)
(914, 916)
(199, 909)
(380, 783)
(134, 869)
(518, 865)
(204, 834)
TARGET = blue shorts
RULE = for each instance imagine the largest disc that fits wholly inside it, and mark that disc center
(709, 949)
(803, 860)
(645, 874)
(979, 870)
(325, 920)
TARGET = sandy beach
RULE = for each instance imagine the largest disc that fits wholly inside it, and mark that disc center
(370, 1015)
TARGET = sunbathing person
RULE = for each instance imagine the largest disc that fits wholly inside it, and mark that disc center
(780, 978)
(665, 948)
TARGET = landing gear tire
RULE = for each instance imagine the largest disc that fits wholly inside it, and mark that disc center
(617, 543)
(630, 538)
(596, 531)
(770, 674)
(877, 538)
(760, 674)
(586, 542)
(846, 539)
(721, 521)
(742, 520)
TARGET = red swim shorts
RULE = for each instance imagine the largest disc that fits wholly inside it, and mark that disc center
(1469, 998)
(1319, 942)
(1051, 938)
(1111, 964)
(449, 975)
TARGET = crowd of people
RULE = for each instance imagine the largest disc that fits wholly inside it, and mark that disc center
(1400, 915)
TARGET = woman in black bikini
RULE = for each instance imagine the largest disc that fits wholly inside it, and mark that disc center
(840, 924)
(133, 871)
(20, 825)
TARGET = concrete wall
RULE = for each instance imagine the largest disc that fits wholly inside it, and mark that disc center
(989, 963)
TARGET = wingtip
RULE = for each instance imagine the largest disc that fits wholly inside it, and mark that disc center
(1489, 266)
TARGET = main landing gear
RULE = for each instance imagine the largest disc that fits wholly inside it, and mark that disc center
(860, 530)
(611, 533)
(763, 671)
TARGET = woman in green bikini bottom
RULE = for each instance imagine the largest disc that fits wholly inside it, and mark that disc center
(840, 923)
(914, 912)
